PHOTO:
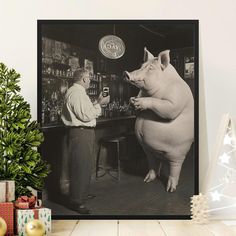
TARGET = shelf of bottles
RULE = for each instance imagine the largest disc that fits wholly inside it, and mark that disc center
(93, 90)
(118, 106)
(57, 78)
(117, 109)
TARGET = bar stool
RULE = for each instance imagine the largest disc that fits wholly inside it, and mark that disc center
(105, 142)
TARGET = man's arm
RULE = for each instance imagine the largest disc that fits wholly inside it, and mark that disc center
(84, 109)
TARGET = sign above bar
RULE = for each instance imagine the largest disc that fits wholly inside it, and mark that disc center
(112, 46)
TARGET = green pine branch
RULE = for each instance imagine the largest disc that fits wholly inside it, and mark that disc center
(19, 137)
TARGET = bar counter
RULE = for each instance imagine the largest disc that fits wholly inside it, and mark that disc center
(119, 118)
(100, 121)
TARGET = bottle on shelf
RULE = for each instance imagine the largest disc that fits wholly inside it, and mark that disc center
(47, 113)
(44, 68)
(106, 111)
(53, 115)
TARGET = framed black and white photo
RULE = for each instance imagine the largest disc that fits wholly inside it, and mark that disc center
(145, 162)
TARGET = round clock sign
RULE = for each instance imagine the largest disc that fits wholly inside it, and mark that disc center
(112, 47)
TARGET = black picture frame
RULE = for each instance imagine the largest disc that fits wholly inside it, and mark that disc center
(185, 31)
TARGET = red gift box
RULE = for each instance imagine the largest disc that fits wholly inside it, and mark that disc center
(7, 213)
(25, 202)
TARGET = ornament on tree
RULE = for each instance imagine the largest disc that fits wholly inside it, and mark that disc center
(3, 227)
(35, 228)
(220, 184)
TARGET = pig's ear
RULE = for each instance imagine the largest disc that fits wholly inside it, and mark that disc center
(147, 55)
(164, 57)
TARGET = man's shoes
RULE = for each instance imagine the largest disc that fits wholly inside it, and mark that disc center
(90, 196)
(81, 209)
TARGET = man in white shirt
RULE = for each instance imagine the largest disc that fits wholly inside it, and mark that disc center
(79, 115)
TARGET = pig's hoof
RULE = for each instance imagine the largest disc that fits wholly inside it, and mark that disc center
(150, 176)
(171, 185)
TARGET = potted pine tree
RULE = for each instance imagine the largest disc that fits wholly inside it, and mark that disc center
(20, 137)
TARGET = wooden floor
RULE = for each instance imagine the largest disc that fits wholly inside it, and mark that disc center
(131, 196)
(140, 228)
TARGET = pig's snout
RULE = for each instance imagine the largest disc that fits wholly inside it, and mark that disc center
(126, 76)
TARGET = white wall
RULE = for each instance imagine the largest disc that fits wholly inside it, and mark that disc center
(18, 46)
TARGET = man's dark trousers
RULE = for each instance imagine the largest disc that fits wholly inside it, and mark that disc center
(81, 158)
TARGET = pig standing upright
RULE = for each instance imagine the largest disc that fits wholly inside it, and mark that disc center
(165, 125)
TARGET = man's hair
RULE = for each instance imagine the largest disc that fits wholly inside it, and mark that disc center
(79, 74)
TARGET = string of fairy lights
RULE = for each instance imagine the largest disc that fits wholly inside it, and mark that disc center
(225, 160)
(222, 195)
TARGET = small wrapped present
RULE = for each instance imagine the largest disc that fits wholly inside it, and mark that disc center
(7, 213)
(7, 190)
(23, 216)
(25, 202)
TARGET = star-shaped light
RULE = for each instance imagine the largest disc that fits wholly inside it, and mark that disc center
(215, 196)
(227, 139)
(224, 158)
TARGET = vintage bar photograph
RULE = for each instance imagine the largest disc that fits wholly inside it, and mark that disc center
(118, 108)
